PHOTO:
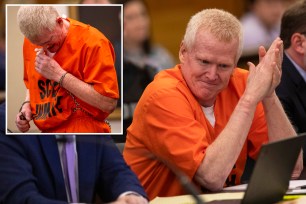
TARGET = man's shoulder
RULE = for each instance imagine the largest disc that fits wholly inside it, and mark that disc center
(85, 30)
(20, 139)
(20, 143)
(170, 80)
(171, 75)
(168, 85)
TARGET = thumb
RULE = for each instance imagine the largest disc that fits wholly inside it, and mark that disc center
(28, 115)
(251, 67)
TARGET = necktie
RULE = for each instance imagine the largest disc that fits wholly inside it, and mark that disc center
(68, 157)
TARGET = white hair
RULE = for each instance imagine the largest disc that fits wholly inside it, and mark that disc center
(33, 20)
(223, 25)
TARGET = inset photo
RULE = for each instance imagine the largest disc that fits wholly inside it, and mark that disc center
(64, 69)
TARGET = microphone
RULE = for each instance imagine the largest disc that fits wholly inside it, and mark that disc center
(187, 184)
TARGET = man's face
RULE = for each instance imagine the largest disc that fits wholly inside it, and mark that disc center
(52, 41)
(208, 65)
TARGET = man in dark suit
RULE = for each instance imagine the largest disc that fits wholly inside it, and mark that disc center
(292, 89)
(31, 172)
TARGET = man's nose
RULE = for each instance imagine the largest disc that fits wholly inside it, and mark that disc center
(211, 73)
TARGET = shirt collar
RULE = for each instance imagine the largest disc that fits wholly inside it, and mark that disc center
(297, 67)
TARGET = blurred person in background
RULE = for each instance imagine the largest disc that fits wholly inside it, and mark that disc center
(261, 24)
(292, 88)
(142, 58)
(138, 47)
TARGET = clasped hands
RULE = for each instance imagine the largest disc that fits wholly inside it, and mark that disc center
(265, 77)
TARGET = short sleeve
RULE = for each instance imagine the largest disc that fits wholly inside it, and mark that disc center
(174, 133)
(100, 69)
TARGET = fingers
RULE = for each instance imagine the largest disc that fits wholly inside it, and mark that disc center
(135, 199)
(28, 116)
(37, 61)
(131, 199)
(40, 60)
(22, 124)
(277, 73)
(274, 54)
(39, 51)
(276, 45)
(279, 49)
(261, 52)
(251, 67)
(22, 116)
(278, 58)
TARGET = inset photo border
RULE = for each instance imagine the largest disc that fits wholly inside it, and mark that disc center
(106, 18)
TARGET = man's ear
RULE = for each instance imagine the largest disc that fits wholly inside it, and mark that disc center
(297, 41)
(182, 52)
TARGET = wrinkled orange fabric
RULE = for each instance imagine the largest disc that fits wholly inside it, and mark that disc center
(169, 129)
(86, 54)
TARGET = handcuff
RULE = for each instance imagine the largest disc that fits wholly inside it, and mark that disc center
(22, 116)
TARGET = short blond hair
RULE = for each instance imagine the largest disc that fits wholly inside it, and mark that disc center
(223, 25)
(33, 20)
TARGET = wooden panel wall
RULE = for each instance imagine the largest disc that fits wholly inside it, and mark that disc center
(170, 17)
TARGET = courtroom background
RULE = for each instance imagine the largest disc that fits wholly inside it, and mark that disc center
(168, 22)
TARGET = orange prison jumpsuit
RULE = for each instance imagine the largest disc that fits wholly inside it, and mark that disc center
(86, 54)
(169, 127)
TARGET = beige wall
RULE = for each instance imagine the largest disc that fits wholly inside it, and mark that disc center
(15, 87)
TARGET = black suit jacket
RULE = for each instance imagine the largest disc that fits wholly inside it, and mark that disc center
(30, 169)
(292, 93)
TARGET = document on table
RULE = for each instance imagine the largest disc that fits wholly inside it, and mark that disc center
(295, 187)
(230, 193)
(188, 199)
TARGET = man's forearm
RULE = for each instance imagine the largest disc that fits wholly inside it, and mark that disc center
(88, 94)
(278, 123)
(222, 154)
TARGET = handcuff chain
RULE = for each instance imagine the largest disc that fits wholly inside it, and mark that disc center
(78, 107)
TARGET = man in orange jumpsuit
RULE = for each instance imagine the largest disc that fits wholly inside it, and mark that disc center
(68, 71)
(204, 117)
